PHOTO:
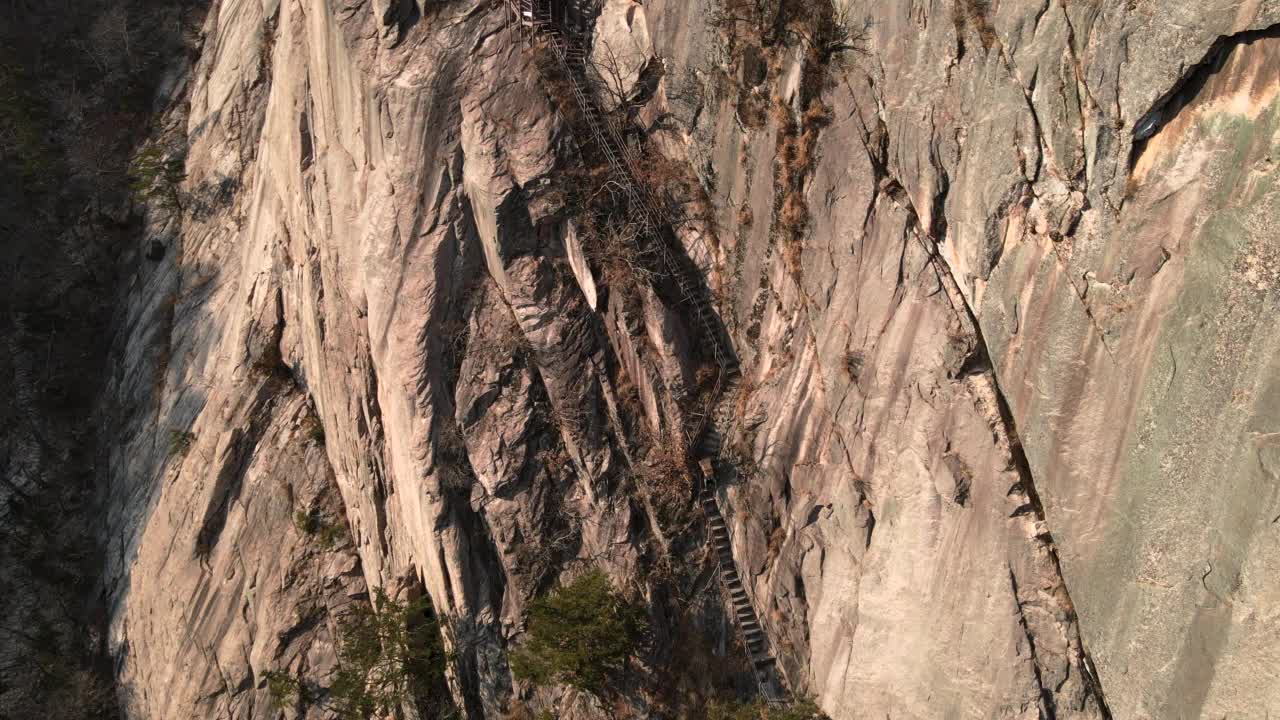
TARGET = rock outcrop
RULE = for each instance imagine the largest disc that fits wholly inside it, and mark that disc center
(999, 278)
(1011, 274)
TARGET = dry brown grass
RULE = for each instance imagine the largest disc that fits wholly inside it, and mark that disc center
(816, 116)
(747, 20)
(668, 480)
(973, 14)
(796, 158)
(670, 180)
(608, 228)
(775, 543)
(794, 217)
(624, 386)
(794, 212)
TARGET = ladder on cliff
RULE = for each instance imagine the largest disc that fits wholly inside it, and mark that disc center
(571, 55)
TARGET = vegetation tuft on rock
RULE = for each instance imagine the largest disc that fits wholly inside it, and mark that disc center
(581, 634)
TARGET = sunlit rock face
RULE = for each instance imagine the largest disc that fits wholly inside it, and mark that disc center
(1000, 277)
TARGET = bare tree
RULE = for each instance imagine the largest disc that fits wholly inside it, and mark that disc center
(827, 27)
(108, 43)
(624, 74)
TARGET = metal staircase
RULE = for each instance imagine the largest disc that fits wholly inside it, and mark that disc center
(710, 424)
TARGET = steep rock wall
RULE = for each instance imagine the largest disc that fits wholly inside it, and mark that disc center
(369, 227)
(1094, 178)
(995, 353)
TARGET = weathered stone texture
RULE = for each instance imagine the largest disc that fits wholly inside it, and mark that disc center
(1008, 437)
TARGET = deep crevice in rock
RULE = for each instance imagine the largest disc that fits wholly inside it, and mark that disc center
(1188, 86)
(230, 479)
(1027, 485)
(980, 357)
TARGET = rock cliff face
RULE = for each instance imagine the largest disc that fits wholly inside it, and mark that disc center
(1000, 278)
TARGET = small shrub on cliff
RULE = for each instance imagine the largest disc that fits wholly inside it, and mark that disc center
(760, 710)
(282, 688)
(582, 634)
(180, 442)
(389, 654)
(314, 525)
(314, 429)
(452, 463)
(156, 174)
